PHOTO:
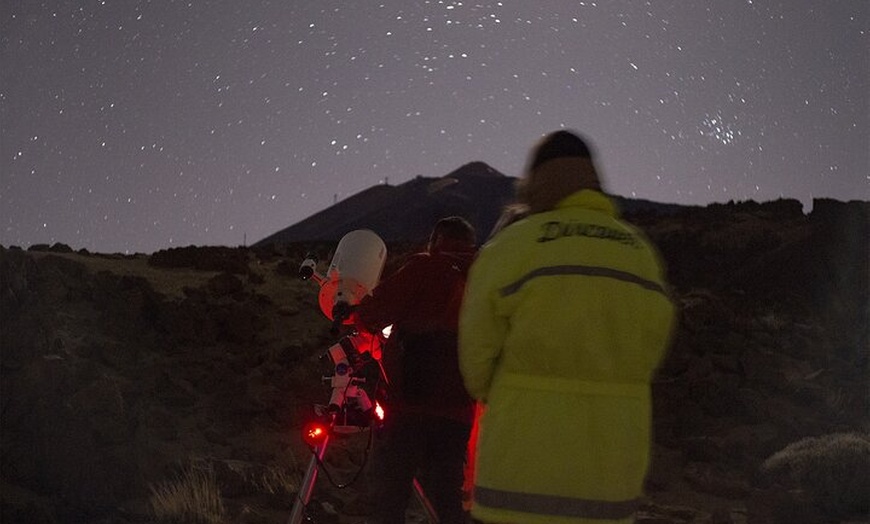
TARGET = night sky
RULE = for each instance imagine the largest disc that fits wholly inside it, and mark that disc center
(136, 125)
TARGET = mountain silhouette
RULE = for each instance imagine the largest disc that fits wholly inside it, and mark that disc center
(407, 212)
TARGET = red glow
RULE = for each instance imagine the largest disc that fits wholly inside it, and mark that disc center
(314, 433)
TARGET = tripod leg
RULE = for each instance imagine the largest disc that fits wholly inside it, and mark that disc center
(424, 501)
(303, 497)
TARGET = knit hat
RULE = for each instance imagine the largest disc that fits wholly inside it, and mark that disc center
(559, 144)
(559, 165)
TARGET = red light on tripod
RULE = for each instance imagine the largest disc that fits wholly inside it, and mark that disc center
(314, 433)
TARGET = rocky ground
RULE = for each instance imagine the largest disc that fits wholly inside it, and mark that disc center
(123, 376)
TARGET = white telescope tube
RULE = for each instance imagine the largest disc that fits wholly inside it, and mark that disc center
(354, 271)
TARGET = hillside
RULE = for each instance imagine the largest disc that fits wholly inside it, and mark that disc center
(405, 213)
(120, 375)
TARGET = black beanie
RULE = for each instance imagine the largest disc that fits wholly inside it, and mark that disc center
(559, 144)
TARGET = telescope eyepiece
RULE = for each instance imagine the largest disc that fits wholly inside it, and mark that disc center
(306, 270)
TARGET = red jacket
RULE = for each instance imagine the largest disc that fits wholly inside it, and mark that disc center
(421, 301)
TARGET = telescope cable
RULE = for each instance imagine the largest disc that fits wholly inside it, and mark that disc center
(359, 471)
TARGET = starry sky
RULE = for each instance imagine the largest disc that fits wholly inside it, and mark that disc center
(137, 125)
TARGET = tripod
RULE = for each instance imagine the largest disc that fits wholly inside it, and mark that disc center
(346, 393)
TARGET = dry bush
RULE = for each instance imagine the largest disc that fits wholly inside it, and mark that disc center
(193, 496)
(832, 470)
(279, 482)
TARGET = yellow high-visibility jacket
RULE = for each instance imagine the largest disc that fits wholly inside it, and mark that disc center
(565, 318)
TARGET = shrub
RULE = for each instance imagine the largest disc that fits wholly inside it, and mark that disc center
(279, 482)
(832, 470)
(193, 496)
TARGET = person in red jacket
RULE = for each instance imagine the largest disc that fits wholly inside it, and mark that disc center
(429, 413)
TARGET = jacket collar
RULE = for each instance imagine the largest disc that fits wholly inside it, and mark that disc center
(590, 199)
(448, 245)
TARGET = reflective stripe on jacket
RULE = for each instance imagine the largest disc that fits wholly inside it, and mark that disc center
(565, 318)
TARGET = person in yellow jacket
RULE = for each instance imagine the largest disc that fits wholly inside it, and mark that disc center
(565, 318)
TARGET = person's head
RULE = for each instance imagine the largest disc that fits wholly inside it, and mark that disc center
(452, 233)
(560, 164)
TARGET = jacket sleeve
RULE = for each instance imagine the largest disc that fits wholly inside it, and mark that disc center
(481, 330)
(390, 298)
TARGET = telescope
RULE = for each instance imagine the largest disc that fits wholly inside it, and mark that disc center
(354, 271)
